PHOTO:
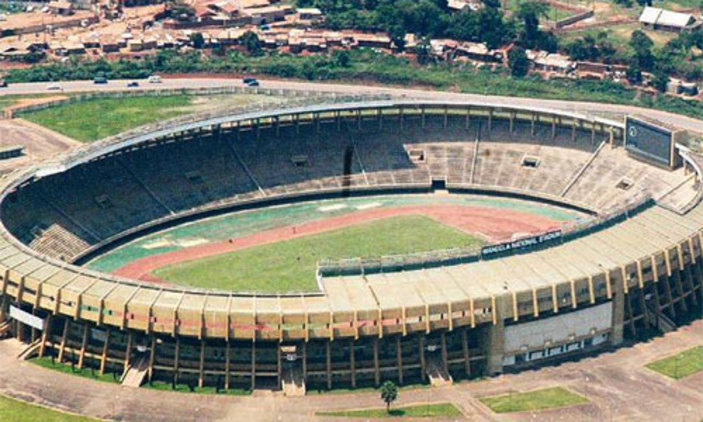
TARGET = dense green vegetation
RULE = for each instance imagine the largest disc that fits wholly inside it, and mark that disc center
(680, 365)
(185, 388)
(548, 398)
(67, 368)
(102, 117)
(12, 410)
(434, 410)
(290, 265)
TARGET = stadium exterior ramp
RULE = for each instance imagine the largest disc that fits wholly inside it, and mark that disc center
(613, 278)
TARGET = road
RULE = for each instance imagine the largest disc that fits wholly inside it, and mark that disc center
(216, 82)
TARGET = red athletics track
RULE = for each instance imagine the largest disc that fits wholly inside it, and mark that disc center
(492, 224)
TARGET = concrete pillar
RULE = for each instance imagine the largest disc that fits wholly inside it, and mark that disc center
(103, 358)
(376, 365)
(401, 117)
(352, 363)
(399, 358)
(618, 314)
(379, 116)
(62, 347)
(253, 365)
(84, 344)
(176, 360)
(45, 336)
(227, 364)
(152, 357)
(128, 351)
(422, 112)
(358, 118)
(423, 363)
(467, 123)
(490, 120)
(328, 365)
(201, 366)
(494, 346)
(446, 116)
(465, 349)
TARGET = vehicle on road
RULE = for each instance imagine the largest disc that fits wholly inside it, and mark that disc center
(3, 83)
(100, 80)
(132, 84)
(54, 87)
(249, 81)
(154, 79)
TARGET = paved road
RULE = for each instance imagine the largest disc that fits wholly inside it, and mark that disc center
(197, 82)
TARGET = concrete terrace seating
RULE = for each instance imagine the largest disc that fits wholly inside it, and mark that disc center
(72, 211)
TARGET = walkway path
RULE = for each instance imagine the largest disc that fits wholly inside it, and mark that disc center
(617, 384)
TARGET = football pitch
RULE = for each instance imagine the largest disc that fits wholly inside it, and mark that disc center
(290, 265)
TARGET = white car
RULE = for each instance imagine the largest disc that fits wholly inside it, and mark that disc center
(154, 79)
(54, 87)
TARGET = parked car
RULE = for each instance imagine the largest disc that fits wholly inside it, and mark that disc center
(247, 80)
(253, 83)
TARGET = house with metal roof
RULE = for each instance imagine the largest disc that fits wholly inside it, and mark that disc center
(666, 20)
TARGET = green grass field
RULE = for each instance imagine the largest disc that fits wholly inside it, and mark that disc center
(12, 410)
(46, 362)
(95, 119)
(681, 365)
(548, 398)
(434, 410)
(98, 118)
(290, 265)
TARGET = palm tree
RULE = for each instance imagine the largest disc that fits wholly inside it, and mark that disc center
(389, 393)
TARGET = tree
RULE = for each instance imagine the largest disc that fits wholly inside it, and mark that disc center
(197, 40)
(634, 73)
(518, 62)
(251, 42)
(530, 12)
(423, 51)
(660, 79)
(389, 393)
(341, 58)
(642, 46)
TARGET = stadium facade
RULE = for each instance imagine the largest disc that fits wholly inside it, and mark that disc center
(632, 265)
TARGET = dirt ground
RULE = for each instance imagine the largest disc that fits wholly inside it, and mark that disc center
(486, 223)
(39, 143)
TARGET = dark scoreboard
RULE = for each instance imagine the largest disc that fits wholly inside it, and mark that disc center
(649, 140)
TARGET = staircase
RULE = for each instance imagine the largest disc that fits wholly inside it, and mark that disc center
(293, 382)
(30, 350)
(134, 377)
(4, 328)
(435, 371)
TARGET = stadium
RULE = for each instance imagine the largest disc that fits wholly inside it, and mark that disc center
(625, 260)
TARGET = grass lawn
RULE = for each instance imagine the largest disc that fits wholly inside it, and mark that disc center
(435, 410)
(290, 265)
(12, 410)
(94, 374)
(183, 388)
(547, 398)
(98, 118)
(680, 366)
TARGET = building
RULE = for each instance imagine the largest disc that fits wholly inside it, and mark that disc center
(551, 62)
(666, 20)
(63, 8)
(634, 266)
